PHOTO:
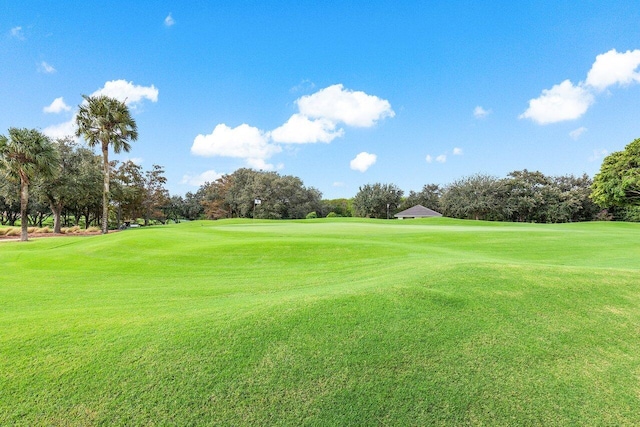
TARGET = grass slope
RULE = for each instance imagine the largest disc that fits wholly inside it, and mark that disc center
(324, 322)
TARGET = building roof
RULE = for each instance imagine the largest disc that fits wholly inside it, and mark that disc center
(418, 211)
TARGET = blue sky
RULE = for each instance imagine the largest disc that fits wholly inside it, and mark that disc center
(340, 94)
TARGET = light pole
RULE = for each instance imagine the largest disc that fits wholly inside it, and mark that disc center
(388, 210)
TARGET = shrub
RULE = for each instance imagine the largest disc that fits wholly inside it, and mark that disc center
(14, 232)
(312, 215)
(70, 230)
(332, 215)
(31, 230)
(4, 230)
(93, 229)
(44, 230)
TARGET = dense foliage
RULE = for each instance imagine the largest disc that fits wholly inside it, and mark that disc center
(247, 193)
(26, 154)
(377, 200)
(618, 183)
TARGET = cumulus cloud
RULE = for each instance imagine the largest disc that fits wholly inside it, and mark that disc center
(198, 180)
(564, 101)
(353, 108)
(567, 101)
(316, 121)
(480, 113)
(338, 184)
(169, 21)
(61, 130)
(363, 161)
(441, 158)
(127, 92)
(614, 67)
(46, 68)
(457, 151)
(576, 133)
(300, 129)
(17, 33)
(243, 141)
(57, 106)
(428, 159)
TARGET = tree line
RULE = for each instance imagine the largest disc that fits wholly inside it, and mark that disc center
(71, 191)
(72, 184)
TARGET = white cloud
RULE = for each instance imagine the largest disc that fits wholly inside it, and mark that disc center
(57, 106)
(17, 33)
(46, 68)
(363, 161)
(169, 21)
(127, 92)
(576, 133)
(429, 159)
(457, 151)
(61, 130)
(562, 102)
(338, 184)
(441, 158)
(614, 67)
(301, 129)
(244, 141)
(353, 108)
(261, 164)
(598, 154)
(480, 113)
(198, 180)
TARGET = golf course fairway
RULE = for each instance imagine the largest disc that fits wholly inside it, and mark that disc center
(323, 322)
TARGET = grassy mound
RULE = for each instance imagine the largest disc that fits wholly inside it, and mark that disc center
(324, 322)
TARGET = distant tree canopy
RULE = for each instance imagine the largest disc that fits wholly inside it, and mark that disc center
(521, 196)
(618, 182)
(377, 200)
(247, 193)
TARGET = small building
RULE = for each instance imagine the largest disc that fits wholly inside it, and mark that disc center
(418, 211)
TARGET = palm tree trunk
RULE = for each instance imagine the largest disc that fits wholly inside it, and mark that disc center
(24, 200)
(105, 191)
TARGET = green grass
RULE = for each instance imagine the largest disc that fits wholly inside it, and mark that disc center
(324, 322)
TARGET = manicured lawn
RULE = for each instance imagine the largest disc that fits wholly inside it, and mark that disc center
(324, 322)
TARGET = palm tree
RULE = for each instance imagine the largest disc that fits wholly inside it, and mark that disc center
(25, 155)
(106, 121)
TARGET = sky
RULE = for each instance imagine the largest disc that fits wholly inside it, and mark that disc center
(339, 94)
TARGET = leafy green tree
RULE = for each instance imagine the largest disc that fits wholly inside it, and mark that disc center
(281, 197)
(173, 208)
(25, 155)
(475, 197)
(618, 182)
(377, 200)
(105, 121)
(524, 195)
(61, 191)
(155, 195)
